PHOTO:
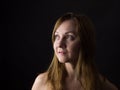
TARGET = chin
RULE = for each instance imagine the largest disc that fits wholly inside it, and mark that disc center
(62, 60)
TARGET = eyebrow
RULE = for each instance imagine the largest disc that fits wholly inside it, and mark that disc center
(67, 32)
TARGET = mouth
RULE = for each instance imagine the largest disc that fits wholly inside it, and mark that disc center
(61, 52)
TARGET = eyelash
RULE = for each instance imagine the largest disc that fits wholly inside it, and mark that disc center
(56, 36)
(71, 37)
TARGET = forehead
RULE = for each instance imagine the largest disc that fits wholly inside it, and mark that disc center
(67, 26)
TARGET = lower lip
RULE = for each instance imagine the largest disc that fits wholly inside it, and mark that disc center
(62, 53)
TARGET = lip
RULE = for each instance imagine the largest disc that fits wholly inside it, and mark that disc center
(62, 52)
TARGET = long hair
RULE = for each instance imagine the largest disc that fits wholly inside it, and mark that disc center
(85, 66)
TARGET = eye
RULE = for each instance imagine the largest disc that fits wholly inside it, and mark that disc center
(56, 36)
(70, 37)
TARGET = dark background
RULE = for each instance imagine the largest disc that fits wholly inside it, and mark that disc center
(26, 27)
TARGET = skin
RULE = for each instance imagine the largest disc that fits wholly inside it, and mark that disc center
(66, 47)
(67, 42)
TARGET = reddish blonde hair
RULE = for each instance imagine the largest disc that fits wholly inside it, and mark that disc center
(85, 65)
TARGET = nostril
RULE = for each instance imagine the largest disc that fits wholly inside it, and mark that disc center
(62, 44)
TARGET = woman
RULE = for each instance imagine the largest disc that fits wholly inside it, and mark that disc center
(73, 67)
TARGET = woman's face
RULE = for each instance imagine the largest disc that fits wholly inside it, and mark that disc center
(67, 42)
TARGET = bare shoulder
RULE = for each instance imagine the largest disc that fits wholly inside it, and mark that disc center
(109, 85)
(40, 82)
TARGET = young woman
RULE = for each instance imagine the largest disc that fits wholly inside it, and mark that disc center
(72, 66)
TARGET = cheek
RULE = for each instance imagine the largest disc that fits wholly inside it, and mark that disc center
(54, 46)
(74, 48)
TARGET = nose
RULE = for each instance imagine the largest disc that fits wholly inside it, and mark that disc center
(61, 43)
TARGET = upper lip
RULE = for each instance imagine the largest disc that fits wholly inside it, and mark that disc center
(61, 52)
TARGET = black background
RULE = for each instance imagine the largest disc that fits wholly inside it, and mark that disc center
(26, 28)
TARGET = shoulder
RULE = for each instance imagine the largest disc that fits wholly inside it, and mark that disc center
(40, 82)
(109, 85)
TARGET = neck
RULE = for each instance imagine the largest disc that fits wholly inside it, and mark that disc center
(70, 70)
